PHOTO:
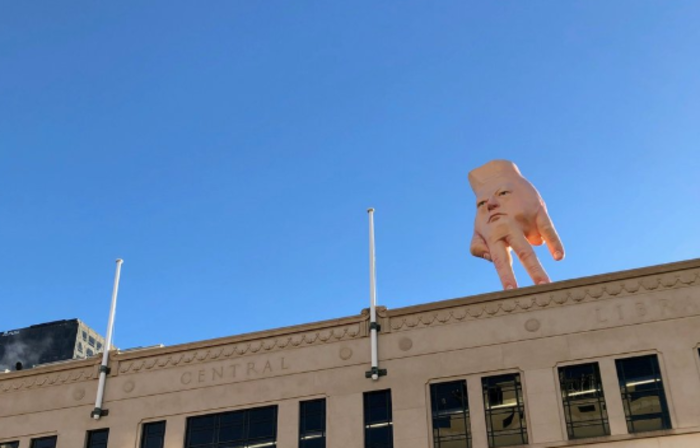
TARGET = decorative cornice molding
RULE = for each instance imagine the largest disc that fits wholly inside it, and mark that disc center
(243, 348)
(400, 320)
(48, 379)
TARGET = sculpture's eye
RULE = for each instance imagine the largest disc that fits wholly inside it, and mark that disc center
(503, 193)
(480, 203)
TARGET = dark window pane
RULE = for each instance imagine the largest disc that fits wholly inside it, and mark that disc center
(231, 433)
(233, 418)
(378, 414)
(44, 442)
(202, 436)
(375, 399)
(378, 419)
(267, 413)
(238, 429)
(312, 424)
(505, 410)
(379, 437)
(153, 435)
(317, 442)
(97, 438)
(206, 421)
(314, 406)
(154, 428)
(261, 429)
(153, 442)
(643, 396)
(450, 412)
(583, 401)
(9, 444)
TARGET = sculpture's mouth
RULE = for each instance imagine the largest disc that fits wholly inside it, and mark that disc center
(495, 217)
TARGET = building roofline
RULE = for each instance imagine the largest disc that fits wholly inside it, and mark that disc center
(361, 319)
(430, 306)
(548, 288)
(244, 337)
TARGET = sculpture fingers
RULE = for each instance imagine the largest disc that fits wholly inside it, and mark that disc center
(528, 258)
(535, 238)
(504, 264)
(546, 229)
(479, 248)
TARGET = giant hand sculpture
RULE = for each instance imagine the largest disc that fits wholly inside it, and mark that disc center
(510, 214)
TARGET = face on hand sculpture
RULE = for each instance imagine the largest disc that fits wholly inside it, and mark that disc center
(500, 199)
(510, 215)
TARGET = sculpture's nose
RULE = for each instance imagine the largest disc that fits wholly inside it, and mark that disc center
(492, 203)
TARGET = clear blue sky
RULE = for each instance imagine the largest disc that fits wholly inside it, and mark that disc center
(228, 151)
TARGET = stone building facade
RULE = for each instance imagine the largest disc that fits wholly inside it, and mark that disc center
(607, 361)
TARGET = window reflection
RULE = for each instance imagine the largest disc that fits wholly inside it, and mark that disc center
(643, 394)
(450, 411)
(505, 410)
(584, 401)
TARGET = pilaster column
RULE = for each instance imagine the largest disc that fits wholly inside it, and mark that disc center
(613, 399)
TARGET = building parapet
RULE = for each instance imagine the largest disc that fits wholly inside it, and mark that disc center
(565, 293)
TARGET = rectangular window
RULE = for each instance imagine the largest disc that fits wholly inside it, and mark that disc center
(505, 410)
(44, 442)
(450, 410)
(9, 444)
(97, 438)
(643, 394)
(241, 429)
(312, 424)
(153, 435)
(379, 432)
(584, 401)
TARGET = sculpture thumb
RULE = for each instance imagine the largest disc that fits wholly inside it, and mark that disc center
(479, 248)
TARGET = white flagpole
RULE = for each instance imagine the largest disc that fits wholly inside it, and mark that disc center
(104, 368)
(375, 372)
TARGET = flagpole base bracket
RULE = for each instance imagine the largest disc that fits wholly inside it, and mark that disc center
(99, 412)
(375, 371)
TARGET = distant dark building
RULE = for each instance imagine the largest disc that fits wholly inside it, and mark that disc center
(50, 342)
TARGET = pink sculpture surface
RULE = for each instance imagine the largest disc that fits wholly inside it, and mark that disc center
(510, 215)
